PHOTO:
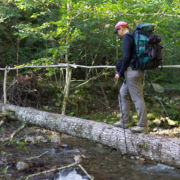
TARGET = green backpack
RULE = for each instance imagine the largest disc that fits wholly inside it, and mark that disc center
(147, 52)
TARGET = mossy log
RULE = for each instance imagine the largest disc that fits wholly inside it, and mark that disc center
(159, 149)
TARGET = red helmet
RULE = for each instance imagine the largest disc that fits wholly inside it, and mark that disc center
(119, 25)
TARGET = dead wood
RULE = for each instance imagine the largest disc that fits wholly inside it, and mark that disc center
(159, 149)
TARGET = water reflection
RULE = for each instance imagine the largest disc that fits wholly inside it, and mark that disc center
(100, 162)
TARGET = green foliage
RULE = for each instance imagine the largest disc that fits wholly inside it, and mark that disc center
(20, 144)
(5, 170)
(179, 117)
(130, 124)
(144, 146)
(58, 100)
(2, 129)
(43, 32)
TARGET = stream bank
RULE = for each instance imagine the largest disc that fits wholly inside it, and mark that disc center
(91, 106)
(100, 161)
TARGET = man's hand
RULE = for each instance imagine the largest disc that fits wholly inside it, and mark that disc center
(116, 77)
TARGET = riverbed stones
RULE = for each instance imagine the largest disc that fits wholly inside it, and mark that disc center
(4, 139)
(21, 166)
(9, 176)
(83, 150)
(141, 160)
(55, 138)
(79, 158)
(29, 139)
(64, 145)
(40, 138)
(44, 140)
(132, 157)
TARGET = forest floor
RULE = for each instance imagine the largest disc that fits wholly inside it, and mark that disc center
(97, 101)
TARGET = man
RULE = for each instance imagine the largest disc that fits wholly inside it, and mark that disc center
(132, 85)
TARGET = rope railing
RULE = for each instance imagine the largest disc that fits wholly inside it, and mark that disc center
(65, 65)
(68, 75)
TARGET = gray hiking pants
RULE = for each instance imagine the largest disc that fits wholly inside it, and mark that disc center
(133, 88)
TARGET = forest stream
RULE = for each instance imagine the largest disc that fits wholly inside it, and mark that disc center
(100, 161)
(38, 38)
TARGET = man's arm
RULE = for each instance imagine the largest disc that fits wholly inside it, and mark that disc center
(127, 53)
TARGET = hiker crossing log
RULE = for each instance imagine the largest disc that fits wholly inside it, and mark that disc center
(160, 149)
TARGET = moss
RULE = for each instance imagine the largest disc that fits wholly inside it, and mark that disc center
(151, 116)
(111, 122)
(130, 124)
(118, 115)
(148, 105)
(135, 120)
(135, 117)
(79, 129)
(171, 122)
(158, 122)
(177, 122)
(159, 110)
(54, 117)
(179, 117)
(151, 124)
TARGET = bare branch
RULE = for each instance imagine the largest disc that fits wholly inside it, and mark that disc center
(52, 170)
(17, 131)
(82, 66)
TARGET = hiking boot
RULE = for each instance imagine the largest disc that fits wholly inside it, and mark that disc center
(120, 124)
(139, 129)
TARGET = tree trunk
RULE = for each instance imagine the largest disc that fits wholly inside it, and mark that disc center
(4, 87)
(160, 149)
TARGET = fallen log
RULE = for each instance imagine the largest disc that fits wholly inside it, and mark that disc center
(159, 149)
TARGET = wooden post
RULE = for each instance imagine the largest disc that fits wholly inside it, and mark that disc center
(66, 88)
(66, 94)
(4, 87)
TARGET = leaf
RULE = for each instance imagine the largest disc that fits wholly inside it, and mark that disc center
(20, 147)
(5, 170)
(58, 103)
(144, 146)
(72, 113)
(59, 95)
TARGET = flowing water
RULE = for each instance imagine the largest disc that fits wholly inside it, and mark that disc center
(100, 162)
